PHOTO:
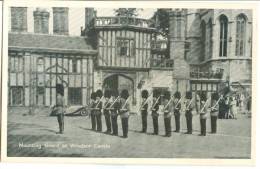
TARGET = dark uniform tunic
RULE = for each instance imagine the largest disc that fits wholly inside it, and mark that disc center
(144, 114)
(124, 114)
(214, 116)
(155, 116)
(177, 115)
(92, 114)
(60, 112)
(189, 107)
(114, 113)
(107, 115)
(167, 118)
(203, 117)
(98, 115)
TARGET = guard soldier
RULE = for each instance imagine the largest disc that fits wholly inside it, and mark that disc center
(92, 112)
(59, 107)
(203, 113)
(189, 107)
(167, 113)
(114, 107)
(107, 95)
(124, 111)
(177, 108)
(214, 112)
(98, 109)
(144, 113)
(155, 108)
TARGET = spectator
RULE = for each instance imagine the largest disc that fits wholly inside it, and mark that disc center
(221, 114)
(226, 107)
(233, 108)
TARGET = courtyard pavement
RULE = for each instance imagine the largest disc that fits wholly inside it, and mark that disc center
(35, 136)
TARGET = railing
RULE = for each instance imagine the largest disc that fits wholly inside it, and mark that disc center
(162, 63)
(218, 74)
(121, 20)
(159, 45)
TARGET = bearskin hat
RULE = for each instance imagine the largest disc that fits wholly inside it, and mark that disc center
(214, 96)
(156, 93)
(144, 94)
(107, 93)
(177, 95)
(114, 93)
(60, 89)
(189, 95)
(167, 95)
(124, 94)
(203, 96)
(99, 93)
(93, 95)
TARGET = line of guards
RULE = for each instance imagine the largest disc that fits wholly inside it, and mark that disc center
(116, 104)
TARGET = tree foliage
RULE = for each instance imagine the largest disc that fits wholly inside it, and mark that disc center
(127, 12)
(161, 21)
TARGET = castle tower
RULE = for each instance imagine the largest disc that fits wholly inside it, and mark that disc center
(60, 21)
(19, 19)
(181, 70)
(41, 21)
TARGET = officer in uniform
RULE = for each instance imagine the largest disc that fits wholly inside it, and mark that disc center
(214, 112)
(144, 113)
(177, 108)
(59, 107)
(167, 113)
(98, 109)
(204, 108)
(114, 111)
(92, 112)
(124, 111)
(189, 107)
(107, 95)
(155, 108)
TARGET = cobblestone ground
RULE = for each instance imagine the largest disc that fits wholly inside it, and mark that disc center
(36, 136)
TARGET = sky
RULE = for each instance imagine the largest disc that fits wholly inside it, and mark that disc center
(77, 18)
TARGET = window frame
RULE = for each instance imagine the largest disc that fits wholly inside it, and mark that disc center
(131, 46)
(240, 35)
(223, 38)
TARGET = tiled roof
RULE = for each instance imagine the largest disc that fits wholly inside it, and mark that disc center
(49, 42)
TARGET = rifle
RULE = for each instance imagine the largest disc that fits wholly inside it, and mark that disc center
(187, 108)
(178, 103)
(168, 103)
(114, 102)
(145, 102)
(204, 105)
(125, 103)
(216, 103)
(99, 102)
(155, 102)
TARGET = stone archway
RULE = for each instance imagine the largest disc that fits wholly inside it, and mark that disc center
(120, 82)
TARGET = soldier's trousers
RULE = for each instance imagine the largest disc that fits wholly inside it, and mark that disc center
(213, 124)
(155, 124)
(144, 121)
(203, 127)
(99, 122)
(167, 125)
(114, 124)
(177, 118)
(189, 122)
(93, 121)
(124, 126)
(108, 122)
(60, 118)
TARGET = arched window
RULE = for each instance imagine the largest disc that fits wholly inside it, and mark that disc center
(240, 35)
(40, 65)
(210, 38)
(223, 36)
(203, 41)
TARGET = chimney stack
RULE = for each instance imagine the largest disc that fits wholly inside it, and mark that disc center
(181, 69)
(41, 21)
(60, 21)
(19, 19)
(89, 16)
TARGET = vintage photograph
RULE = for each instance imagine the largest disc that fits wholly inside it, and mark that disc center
(145, 82)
